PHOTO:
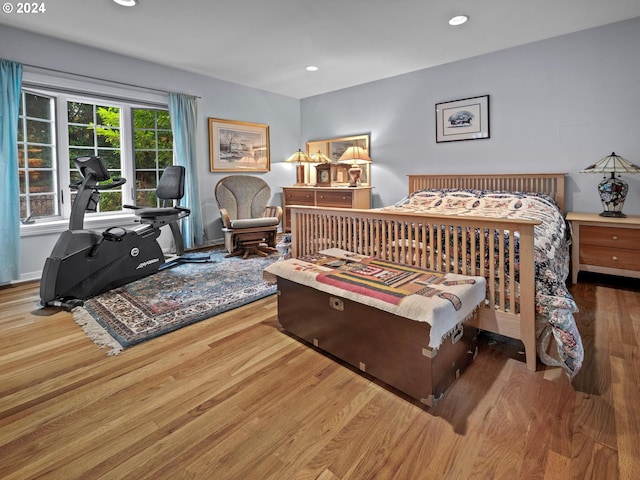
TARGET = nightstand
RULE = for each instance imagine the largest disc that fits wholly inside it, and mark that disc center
(605, 245)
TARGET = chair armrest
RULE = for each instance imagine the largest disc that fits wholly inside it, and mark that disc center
(224, 215)
(273, 211)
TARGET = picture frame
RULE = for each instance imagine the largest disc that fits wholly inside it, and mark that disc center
(465, 119)
(236, 146)
(335, 147)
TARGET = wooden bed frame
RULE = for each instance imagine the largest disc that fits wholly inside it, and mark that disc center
(425, 240)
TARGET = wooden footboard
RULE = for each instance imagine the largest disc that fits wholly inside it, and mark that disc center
(464, 245)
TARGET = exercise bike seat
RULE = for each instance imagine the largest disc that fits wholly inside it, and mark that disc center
(170, 188)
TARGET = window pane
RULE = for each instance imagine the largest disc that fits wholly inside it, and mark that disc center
(165, 139)
(38, 106)
(146, 180)
(111, 158)
(110, 201)
(80, 136)
(21, 180)
(40, 157)
(145, 159)
(108, 116)
(108, 137)
(36, 152)
(40, 181)
(78, 152)
(79, 112)
(43, 205)
(144, 139)
(153, 151)
(165, 159)
(75, 176)
(146, 198)
(38, 132)
(20, 156)
(144, 119)
(164, 120)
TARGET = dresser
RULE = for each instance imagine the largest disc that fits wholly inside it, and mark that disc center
(333, 197)
(605, 245)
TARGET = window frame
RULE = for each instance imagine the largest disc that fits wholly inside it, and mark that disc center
(71, 88)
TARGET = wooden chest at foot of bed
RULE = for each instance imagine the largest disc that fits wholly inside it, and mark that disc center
(386, 346)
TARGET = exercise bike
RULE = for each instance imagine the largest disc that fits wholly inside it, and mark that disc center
(85, 263)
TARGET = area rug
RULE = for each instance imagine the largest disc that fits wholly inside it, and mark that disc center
(173, 298)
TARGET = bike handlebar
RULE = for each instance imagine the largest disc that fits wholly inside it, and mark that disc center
(107, 186)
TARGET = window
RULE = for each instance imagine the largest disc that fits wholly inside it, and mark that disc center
(37, 157)
(133, 139)
(153, 152)
(95, 130)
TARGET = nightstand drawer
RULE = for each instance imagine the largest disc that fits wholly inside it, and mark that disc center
(334, 199)
(298, 197)
(610, 257)
(610, 237)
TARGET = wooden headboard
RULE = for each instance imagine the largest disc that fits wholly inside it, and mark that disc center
(550, 183)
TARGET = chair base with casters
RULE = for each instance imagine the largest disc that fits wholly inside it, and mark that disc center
(250, 226)
(258, 241)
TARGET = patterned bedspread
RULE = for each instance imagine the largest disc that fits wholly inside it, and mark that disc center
(554, 304)
(443, 300)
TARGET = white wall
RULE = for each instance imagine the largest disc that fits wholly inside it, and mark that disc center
(555, 106)
(218, 99)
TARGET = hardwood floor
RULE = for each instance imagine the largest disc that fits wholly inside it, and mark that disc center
(234, 398)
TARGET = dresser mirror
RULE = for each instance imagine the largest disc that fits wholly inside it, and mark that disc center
(333, 148)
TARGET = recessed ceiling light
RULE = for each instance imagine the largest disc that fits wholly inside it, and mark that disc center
(126, 3)
(458, 20)
(311, 68)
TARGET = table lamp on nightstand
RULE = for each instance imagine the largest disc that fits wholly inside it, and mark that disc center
(613, 191)
(355, 156)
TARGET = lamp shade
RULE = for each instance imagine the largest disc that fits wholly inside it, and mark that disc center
(613, 191)
(299, 157)
(355, 155)
(320, 157)
(612, 164)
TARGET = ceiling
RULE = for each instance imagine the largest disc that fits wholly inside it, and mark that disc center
(267, 44)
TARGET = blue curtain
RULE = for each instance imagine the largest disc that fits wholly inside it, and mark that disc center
(183, 112)
(10, 82)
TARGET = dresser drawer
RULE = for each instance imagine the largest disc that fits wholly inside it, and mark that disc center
(334, 199)
(299, 197)
(609, 257)
(610, 237)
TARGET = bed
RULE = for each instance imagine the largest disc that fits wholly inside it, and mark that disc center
(517, 242)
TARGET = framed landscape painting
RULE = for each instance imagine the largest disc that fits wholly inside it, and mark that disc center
(466, 119)
(238, 146)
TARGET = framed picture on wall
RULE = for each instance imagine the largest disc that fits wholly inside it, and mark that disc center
(466, 119)
(238, 146)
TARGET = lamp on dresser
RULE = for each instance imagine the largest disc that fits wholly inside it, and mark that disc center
(300, 157)
(613, 191)
(355, 156)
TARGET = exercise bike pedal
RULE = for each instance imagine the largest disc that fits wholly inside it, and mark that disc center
(68, 304)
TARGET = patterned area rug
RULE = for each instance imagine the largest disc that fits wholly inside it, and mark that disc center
(172, 299)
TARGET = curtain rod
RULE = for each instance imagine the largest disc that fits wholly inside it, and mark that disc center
(100, 79)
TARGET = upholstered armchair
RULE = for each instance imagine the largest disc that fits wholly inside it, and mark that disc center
(249, 224)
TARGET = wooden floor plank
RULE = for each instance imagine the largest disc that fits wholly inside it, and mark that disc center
(237, 397)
